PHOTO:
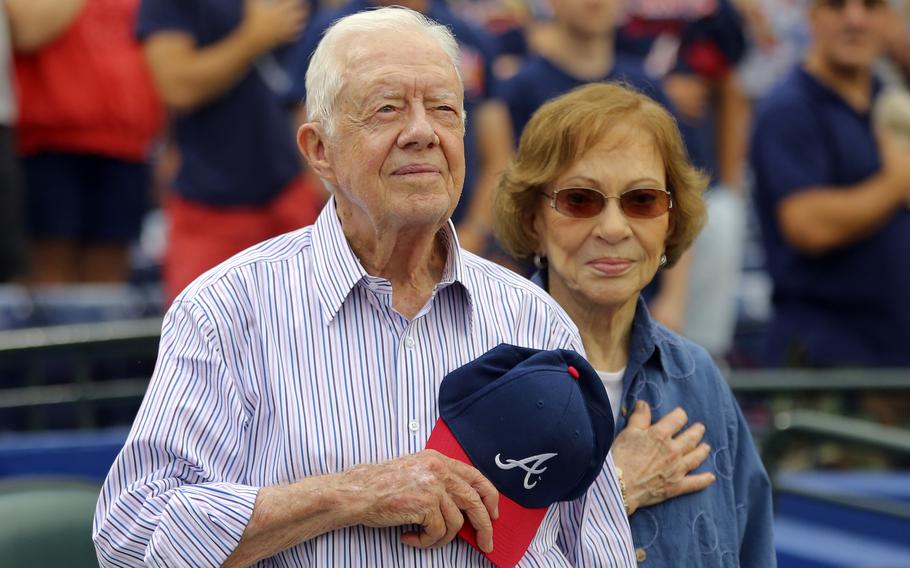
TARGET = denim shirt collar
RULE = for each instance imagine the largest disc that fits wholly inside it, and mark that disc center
(651, 344)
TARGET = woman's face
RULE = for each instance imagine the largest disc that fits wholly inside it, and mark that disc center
(604, 261)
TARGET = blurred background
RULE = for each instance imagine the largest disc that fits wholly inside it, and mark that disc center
(117, 189)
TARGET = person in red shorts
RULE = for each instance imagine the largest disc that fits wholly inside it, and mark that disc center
(87, 119)
(218, 66)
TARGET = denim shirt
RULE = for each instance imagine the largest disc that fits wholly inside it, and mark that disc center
(729, 524)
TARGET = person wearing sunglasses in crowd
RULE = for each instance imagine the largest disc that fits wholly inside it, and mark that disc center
(601, 195)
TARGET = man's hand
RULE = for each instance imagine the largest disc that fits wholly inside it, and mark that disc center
(189, 76)
(894, 150)
(428, 489)
(656, 465)
(270, 23)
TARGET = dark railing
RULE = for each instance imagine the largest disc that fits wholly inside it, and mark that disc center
(818, 426)
(44, 368)
(140, 335)
(851, 432)
(800, 381)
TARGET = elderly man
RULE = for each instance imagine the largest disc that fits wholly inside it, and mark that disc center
(296, 383)
(832, 200)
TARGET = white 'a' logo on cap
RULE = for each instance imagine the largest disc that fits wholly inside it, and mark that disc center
(531, 465)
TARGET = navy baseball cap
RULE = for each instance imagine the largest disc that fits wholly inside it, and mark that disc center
(537, 424)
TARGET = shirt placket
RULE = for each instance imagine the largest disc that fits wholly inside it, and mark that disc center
(396, 376)
(410, 377)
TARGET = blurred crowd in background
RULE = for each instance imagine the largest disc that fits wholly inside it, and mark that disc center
(143, 142)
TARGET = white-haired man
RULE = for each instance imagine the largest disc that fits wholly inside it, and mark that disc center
(296, 383)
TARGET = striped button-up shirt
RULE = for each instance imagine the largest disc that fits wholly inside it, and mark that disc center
(289, 361)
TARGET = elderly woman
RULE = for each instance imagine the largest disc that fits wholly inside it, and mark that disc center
(601, 195)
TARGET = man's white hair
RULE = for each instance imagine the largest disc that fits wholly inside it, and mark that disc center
(325, 75)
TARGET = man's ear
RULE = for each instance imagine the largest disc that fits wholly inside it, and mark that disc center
(312, 142)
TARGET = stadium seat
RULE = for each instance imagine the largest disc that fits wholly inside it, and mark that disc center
(47, 523)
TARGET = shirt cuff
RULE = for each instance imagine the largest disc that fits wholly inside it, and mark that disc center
(201, 525)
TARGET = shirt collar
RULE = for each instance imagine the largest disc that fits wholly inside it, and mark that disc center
(821, 92)
(338, 270)
(652, 343)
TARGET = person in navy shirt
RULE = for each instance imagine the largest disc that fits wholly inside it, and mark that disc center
(832, 200)
(580, 51)
(218, 65)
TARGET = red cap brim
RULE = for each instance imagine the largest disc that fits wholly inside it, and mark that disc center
(516, 526)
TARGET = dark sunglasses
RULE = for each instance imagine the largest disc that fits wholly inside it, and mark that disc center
(838, 5)
(584, 202)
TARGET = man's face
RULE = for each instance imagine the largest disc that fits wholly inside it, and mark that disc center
(849, 34)
(397, 157)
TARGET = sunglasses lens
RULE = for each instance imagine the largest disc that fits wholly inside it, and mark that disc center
(579, 202)
(645, 203)
(838, 5)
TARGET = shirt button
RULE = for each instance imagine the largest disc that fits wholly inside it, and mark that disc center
(640, 554)
(409, 342)
(413, 426)
(624, 411)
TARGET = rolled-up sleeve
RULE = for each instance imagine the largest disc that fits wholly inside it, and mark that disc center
(175, 495)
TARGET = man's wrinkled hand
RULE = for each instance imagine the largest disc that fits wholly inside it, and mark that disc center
(427, 489)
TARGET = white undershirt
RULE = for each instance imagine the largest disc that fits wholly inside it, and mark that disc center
(613, 383)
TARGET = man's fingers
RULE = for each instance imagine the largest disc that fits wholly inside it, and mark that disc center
(434, 529)
(453, 519)
(469, 501)
(479, 518)
(640, 417)
(478, 498)
(485, 490)
(672, 422)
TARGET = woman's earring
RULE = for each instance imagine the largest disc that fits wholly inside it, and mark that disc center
(540, 261)
(663, 260)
